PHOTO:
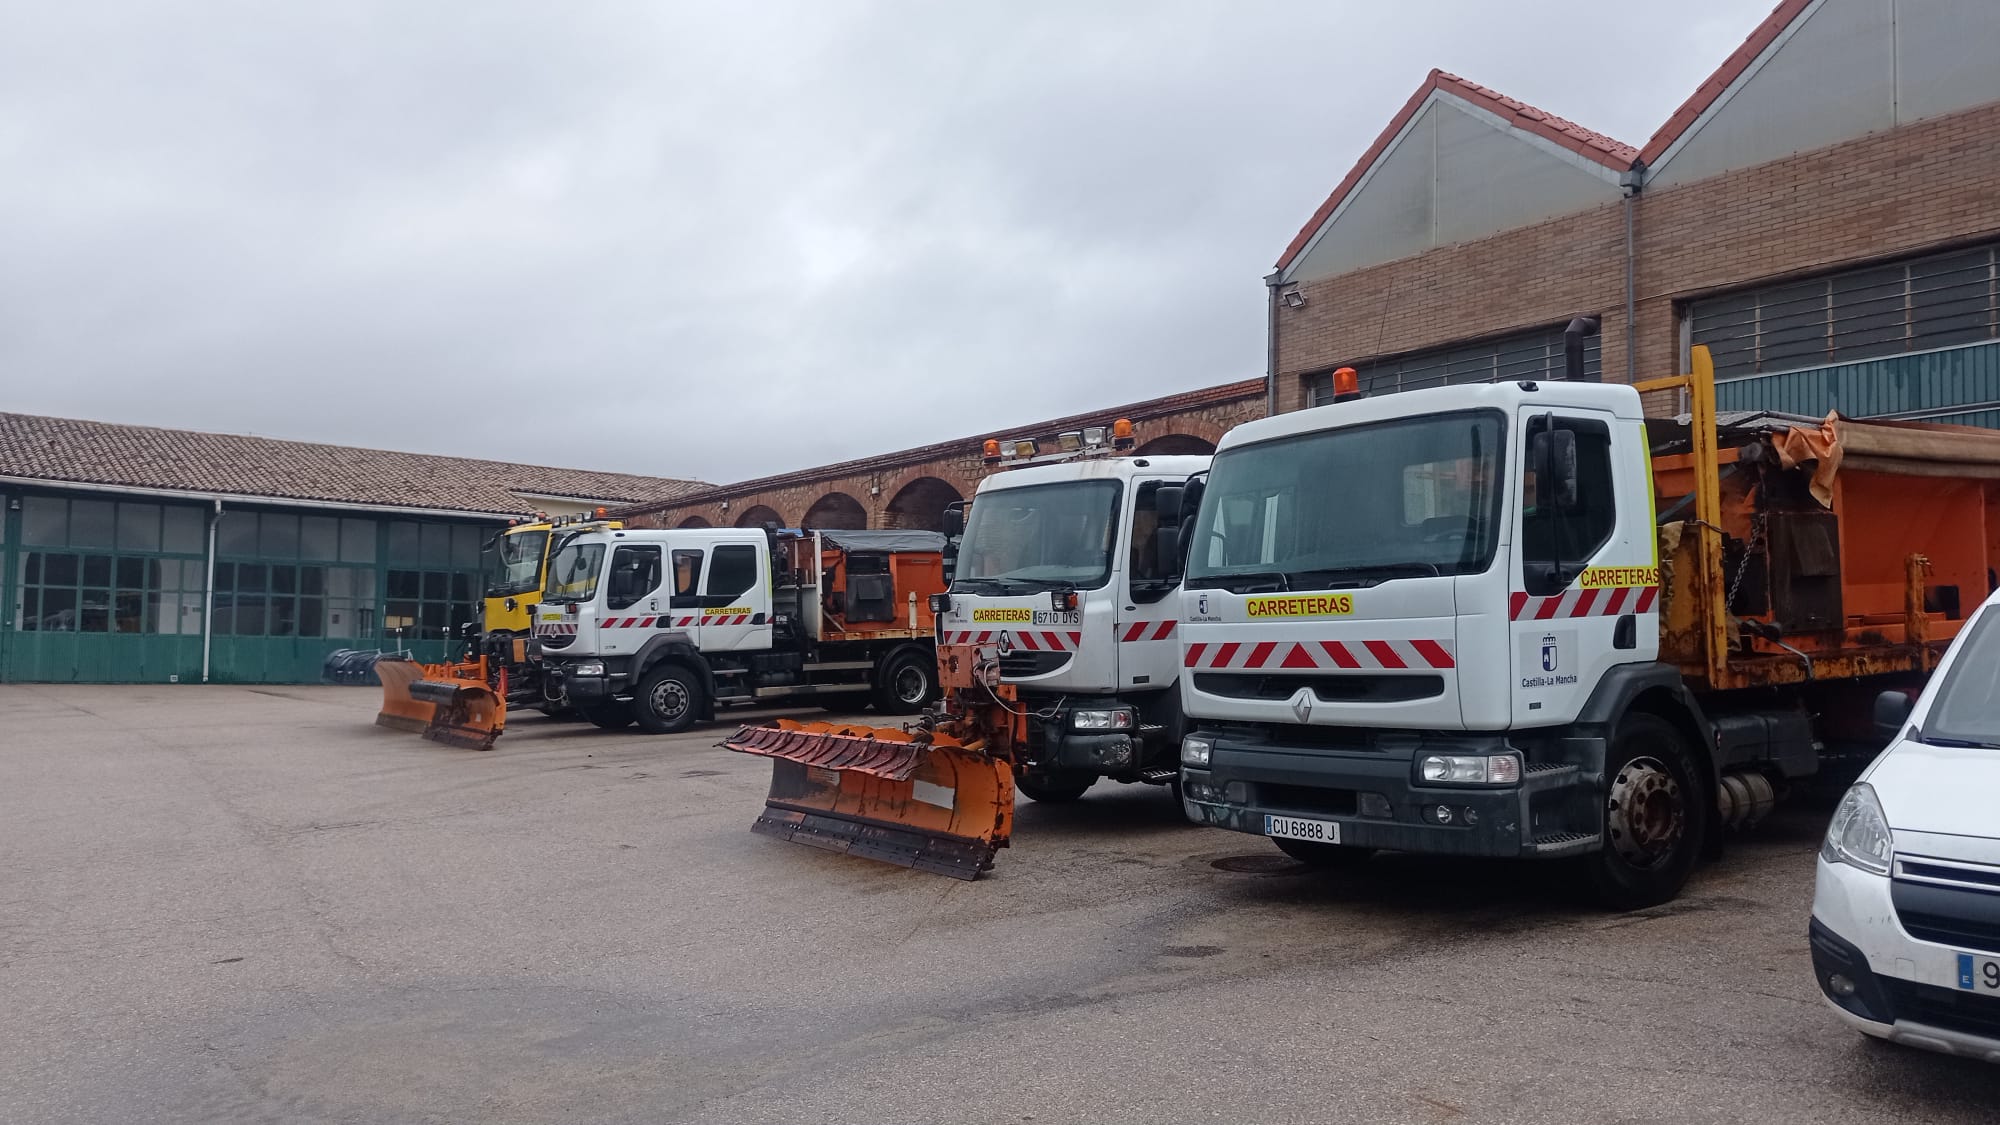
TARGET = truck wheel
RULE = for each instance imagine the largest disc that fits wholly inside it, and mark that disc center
(1056, 788)
(607, 716)
(906, 683)
(1654, 817)
(668, 699)
(1322, 857)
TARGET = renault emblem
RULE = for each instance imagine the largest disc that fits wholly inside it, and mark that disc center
(1302, 706)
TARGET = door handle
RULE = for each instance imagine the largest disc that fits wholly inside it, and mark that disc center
(1625, 634)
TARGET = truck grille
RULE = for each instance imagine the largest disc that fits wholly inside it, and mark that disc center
(1018, 664)
(1947, 1008)
(1307, 798)
(1327, 689)
(556, 640)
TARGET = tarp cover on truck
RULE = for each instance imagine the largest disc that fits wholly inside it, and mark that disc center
(891, 542)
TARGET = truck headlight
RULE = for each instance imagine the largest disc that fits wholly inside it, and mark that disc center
(587, 668)
(1859, 835)
(1195, 750)
(1117, 718)
(1470, 769)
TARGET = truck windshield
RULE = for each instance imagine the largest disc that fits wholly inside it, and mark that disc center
(514, 563)
(1352, 506)
(1966, 711)
(573, 571)
(1039, 537)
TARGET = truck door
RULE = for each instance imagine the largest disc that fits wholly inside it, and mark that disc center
(1148, 635)
(1585, 588)
(721, 590)
(632, 597)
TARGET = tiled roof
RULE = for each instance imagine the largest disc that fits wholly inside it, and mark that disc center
(1134, 412)
(1731, 69)
(68, 449)
(1584, 142)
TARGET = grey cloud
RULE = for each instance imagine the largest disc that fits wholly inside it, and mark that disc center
(706, 240)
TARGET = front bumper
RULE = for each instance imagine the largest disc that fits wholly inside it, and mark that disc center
(1904, 990)
(1372, 793)
(1055, 747)
(585, 689)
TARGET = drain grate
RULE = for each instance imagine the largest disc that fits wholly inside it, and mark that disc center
(1262, 863)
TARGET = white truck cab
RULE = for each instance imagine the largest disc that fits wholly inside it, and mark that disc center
(1063, 567)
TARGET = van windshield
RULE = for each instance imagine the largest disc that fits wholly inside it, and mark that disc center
(573, 572)
(1966, 710)
(1352, 506)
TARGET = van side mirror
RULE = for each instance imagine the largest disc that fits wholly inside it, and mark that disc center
(1167, 502)
(953, 523)
(1892, 710)
(1552, 454)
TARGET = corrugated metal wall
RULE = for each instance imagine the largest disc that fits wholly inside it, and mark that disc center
(1938, 384)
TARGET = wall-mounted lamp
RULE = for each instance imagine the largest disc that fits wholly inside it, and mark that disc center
(1294, 299)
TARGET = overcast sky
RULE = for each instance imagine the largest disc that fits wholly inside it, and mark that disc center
(709, 240)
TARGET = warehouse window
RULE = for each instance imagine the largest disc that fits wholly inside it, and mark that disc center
(1536, 354)
(1930, 302)
(101, 566)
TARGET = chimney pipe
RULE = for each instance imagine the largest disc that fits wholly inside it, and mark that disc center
(1573, 347)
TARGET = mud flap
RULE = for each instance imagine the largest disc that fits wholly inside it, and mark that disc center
(448, 703)
(879, 793)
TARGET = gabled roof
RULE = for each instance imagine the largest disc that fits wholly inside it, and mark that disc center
(1732, 68)
(1587, 143)
(104, 453)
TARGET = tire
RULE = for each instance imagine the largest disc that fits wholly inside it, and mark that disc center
(1655, 817)
(1323, 857)
(668, 699)
(607, 716)
(1054, 789)
(907, 683)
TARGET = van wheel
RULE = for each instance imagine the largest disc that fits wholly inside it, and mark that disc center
(1654, 817)
(906, 682)
(668, 699)
(608, 716)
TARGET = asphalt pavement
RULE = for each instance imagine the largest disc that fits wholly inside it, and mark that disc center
(223, 904)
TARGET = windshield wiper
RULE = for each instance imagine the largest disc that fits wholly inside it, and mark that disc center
(1334, 577)
(1242, 581)
(1956, 743)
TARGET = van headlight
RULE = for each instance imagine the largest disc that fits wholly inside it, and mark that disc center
(1859, 835)
(1195, 750)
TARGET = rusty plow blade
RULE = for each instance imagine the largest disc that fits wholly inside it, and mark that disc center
(448, 703)
(877, 792)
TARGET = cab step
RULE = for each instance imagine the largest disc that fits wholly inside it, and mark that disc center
(1562, 843)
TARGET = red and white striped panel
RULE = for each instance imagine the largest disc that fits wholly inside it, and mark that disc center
(1609, 601)
(1320, 656)
(1148, 631)
(1026, 640)
(626, 623)
(675, 622)
(555, 630)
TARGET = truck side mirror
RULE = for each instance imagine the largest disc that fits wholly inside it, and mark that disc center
(1167, 551)
(1552, 454)
(1167, 502)
(953, 523)
(1892, 710)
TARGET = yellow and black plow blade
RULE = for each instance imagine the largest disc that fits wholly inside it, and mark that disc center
(448, 703)
(922, 801)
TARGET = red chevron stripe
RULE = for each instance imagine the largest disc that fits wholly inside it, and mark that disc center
(1647, 595)
(1385, 652)
(1434, 653)
(1165, 630)
(1194, 652)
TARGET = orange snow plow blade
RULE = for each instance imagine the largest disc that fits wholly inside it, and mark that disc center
(449, 703)
(926, 800)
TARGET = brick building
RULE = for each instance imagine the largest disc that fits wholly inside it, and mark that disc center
(911, 487)
(1823, 213)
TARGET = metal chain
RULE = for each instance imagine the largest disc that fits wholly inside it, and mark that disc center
(1743, 567)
